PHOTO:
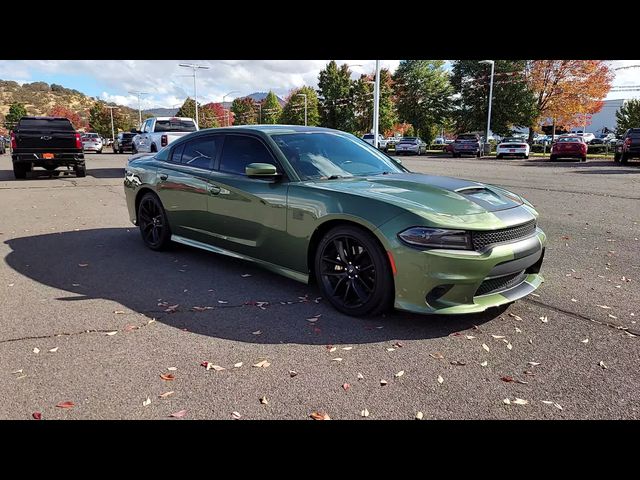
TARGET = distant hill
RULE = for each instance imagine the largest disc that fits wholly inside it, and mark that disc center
(40, 97)
(161, 112)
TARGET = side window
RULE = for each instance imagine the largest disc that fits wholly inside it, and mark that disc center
(239, 151)
(201, 152)
(147, 126)
(176, 154)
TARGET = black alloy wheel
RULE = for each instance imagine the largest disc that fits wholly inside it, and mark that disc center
(353, 272)
(154, 226)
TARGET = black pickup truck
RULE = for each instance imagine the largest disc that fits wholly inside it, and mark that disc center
(47, 142)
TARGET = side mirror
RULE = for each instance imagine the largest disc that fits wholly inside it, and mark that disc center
(260, 170)
(133, 130)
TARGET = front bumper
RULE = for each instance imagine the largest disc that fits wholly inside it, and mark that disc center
(440, 281)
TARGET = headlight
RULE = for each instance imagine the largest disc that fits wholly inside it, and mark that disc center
(436, 238)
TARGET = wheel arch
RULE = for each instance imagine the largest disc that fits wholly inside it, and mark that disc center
(141, 193)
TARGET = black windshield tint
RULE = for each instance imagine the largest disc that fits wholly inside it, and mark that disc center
(175, 126)
(317, 155)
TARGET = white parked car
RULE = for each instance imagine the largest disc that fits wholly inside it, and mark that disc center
(586, 136)
(512, 146)
(158, 132)
(92, 142)
(382, 142)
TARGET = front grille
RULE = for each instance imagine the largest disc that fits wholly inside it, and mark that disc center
(481, 240)
(499, 284)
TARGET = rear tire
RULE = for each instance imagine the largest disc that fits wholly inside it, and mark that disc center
(623, 159)
(552, 158)
(526, 157)
(81, 170)
(20, 170)
(616, 157)
(153, 222)
(583, 159)
(353, 272)
(498, 156)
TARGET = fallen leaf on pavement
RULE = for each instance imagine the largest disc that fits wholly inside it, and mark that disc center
(17, 371)
(36, 350)
(257, 332)
(437, 355)
(398, 344)
(544, 319)
(458, 363)
(383, 382)
(419, 416)
(484, 345)
(515, 316)
(320, 416)
(440, 379)
(222, 302)
(333, 349)
(399, 374)
(360, 376)
(146, 402)
(237, 365)
(111, 334)
(65, 405)
(391, 349)
(179, 414)
(484, 364)
(167, 377)
(533, 364)
(520, 401)
(586, 340)
(118, 312)
(606, 307)
(574, 300)
(245, 275)
(509, 346)
(262, 364)
(172, 369)
(498, 337)
(83, 264)
(166, 394)
(347, 348)
(54, 350)
(604, 367)
(264, 401)
(506, 401)
(292, 373)
(337, 359)
(217, 368)
(37, 415)
(518, 330)
(346, 386)
(507, 379)
(364, 413)
(470, 337)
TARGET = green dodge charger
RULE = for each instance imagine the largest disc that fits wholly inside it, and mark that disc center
(319, 204)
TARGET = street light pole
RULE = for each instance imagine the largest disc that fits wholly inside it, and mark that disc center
(139, 107)
(227, 111)
(376, 104)
(194, 67)
(113, 134)
(260, 114)
(305, 106)
(492, 63)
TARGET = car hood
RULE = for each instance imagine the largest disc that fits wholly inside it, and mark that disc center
(421, 193)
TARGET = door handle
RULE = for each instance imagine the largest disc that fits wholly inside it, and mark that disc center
(214, 189)
(163, 176)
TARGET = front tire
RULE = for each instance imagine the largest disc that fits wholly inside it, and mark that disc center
(153, 222)
(353, 272)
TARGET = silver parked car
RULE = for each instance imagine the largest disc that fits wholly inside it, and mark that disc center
(412, 145)
(92, 142)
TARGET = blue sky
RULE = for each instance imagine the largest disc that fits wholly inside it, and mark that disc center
(167, 84)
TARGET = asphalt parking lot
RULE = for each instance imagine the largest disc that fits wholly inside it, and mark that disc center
(89, 315)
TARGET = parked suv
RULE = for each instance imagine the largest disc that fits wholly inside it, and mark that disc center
(466, 144)
(123, 142)
(382, 142)
(628, 147)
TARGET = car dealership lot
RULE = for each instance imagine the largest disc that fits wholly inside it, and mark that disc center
(75, 271)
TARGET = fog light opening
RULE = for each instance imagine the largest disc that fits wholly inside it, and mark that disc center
(436, 293)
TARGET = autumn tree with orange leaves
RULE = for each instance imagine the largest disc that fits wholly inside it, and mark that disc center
(75, 119)
(566, 89)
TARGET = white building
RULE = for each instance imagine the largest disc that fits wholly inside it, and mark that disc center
(606, 117)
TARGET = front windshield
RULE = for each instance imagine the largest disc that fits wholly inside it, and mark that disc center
(327, 155)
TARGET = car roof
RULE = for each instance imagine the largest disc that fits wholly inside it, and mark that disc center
(171, 118)
(271, 129)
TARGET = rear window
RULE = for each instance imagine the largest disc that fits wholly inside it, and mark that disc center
(368, 136)
(408, 139)
(175, 125)
(634, 132)
(90, 135)
(45, 124)
(127, 136)
(466, 137)
(570, 139)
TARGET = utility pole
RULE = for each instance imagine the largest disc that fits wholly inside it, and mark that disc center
(113, 134)
(139, 94)
(376, 104)
(195, 67)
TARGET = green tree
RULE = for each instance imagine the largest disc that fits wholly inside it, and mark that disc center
(188, 109)
(513, 101)
(364, 98)
(271, 109)
(100, 120)
(16, 112)
(335, 89)
(628, 116)
(208, 116)
(423, 95)
(244, 112)
(293, 111)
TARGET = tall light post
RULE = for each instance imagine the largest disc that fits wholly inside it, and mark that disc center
(260, 114)
(113, 133)
(492, 63)
(194, 67)
(305, 106)
(227, 112)
(376, 104)
(139, 94)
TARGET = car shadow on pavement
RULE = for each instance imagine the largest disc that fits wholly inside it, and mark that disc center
(37, 174)
(106, 172)
(546, 163)
(114, 264)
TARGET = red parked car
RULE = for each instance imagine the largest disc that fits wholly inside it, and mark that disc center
(569, 147)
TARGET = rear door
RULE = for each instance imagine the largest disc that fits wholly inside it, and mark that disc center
(183, 186)
(248, 215)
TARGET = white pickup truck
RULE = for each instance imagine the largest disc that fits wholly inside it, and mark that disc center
(158, 132)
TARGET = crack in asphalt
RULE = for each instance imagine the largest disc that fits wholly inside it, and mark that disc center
(615, 326)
